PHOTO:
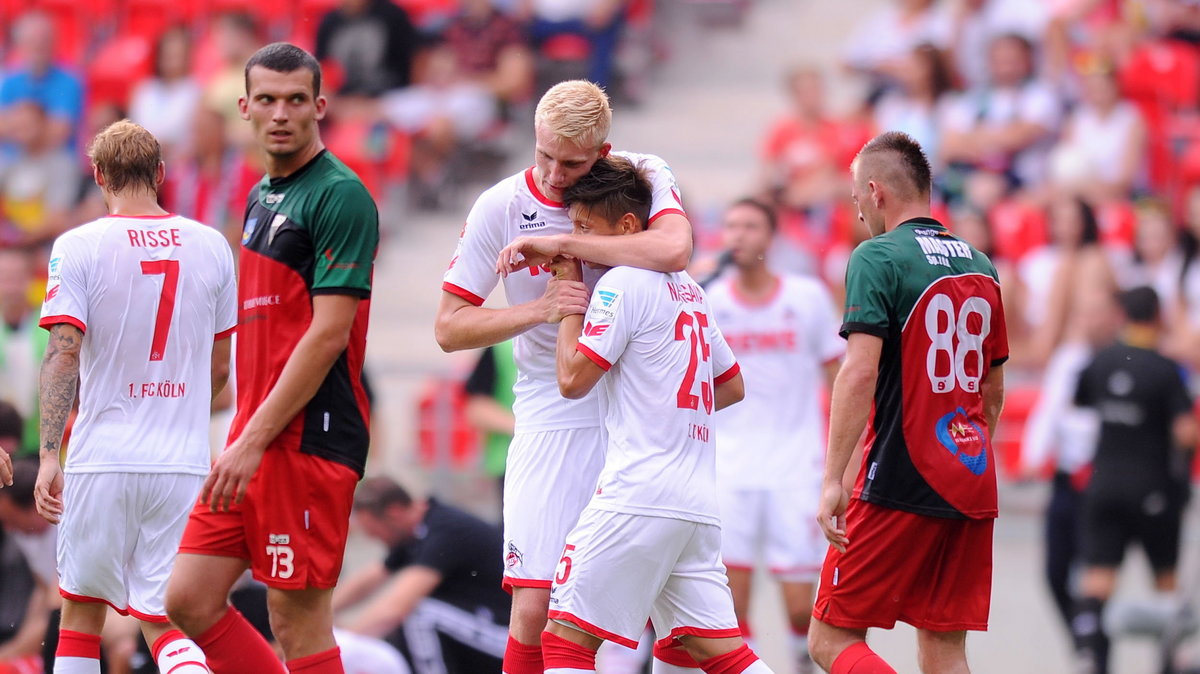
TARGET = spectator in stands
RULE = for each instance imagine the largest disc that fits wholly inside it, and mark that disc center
(1102, 153)
(12, 426)
(1053, 279)
(489, 406)
(599, 21)
(918, 105)
(36, 78)
(439, 582)
(1157, 256)
(35, 539)
(373, 41)
(211, 180)
(491, 49)
(978, 22)
(887, 37)
(236, 35)
(22, 342)
(443, 112)
(40, 186)
(806, 152)
(1183, 340)
(1001, 133)
(166, 102)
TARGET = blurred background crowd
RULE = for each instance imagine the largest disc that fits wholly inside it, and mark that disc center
(1064, 137)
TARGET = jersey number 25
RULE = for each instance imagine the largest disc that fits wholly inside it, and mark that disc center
(694, 325)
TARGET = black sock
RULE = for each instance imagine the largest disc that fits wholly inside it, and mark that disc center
(1087, 626)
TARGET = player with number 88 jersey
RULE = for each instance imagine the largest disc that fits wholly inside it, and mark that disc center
(926, 341)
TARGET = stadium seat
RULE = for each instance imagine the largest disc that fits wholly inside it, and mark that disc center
(118, 66)
(1162, 78)
(428, 15)
(1117, 221)
(444, 438)
(1018, 404)
(149, 18)
(1017, 228)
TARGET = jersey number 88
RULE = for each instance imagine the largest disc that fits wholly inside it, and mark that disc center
(959, 338)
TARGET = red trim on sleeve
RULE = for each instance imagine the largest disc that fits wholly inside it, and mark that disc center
(537, 193)
(592, 629)
(463, 293)
(594, 357)
(665, 211)
(224, 333)
(727, 375)
(51, 321)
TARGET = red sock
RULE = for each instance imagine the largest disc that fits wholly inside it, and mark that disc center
(744, 626)
(72, 644)
(860, 659)
(233, 645)
(325, 662)
(522, 659)
(558, 652)
(675, 654)
(733, 662)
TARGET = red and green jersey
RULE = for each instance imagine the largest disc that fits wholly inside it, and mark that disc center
(313, 232)
(935, 302)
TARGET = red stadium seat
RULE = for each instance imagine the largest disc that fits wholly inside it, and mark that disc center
(1162, 78)
(1017, 228)
(149, 18)
(1018, 404)
(444, 438)
(1117, 221)
(426, 14)
(118, 66)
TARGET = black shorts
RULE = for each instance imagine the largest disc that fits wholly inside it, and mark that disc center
(1112, 521)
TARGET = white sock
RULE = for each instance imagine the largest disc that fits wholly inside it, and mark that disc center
(660, 667)
(182, 656)
(70, 665)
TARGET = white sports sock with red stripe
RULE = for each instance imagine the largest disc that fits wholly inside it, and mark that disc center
(70, 665)
(176, 654)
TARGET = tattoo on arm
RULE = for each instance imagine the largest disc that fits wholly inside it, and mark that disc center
(59, 377)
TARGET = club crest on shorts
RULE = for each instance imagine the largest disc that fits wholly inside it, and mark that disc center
(513, 557)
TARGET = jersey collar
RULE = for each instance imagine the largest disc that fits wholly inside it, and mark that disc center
(922, 222)
(276, 182)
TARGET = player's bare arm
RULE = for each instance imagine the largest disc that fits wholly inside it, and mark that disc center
(993, 397)
(359, 586)
(462, 325)
(666, 246)
(397, 601)
(56, 397)
(730, 392)
(6, 470)
(324, 340)
(577, 374)
(220, 365)
(853, 392)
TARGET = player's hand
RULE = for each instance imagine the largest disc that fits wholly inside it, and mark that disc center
(563, 298)
(5, 469)
(831, 515)
(567, 268)
(230, 477)
(528, 251)
(47, 492)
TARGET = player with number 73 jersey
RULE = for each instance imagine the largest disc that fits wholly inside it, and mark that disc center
(935, 302)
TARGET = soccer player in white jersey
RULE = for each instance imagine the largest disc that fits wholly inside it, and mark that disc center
(514, 227)
(771, 448)
(648, 544)
(140, 308)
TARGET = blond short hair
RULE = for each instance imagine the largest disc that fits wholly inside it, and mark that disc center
(575, 110)
(128, 156)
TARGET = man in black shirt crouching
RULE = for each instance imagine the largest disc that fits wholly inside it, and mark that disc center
(440, 599)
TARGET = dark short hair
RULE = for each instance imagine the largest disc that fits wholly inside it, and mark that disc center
(284, 57)
(1140, 304)
(25, 472)
(377, 494)
(11, 423)
(911, 159)
(611, 189)
(767, 211)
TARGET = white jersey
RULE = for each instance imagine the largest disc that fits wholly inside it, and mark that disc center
(775, 437)
(516, 207)
(655, 336)
(150, 294)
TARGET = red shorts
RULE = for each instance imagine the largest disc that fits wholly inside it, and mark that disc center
(930, 572)
(291, 527)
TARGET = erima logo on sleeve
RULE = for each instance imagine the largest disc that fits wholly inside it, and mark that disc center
(530, 221)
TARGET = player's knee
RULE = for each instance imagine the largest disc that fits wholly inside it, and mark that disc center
(528, 617)
(191, 614)
(800, 618)
(939, 652)
(825, 645)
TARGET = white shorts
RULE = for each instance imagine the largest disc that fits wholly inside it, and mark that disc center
(619, 569)
(780, 524)
(119, 535)
(549, 478)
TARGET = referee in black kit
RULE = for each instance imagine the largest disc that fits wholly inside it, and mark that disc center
(1140, 481)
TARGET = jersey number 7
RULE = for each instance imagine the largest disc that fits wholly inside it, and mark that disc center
(701, 350)
(166, 302)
